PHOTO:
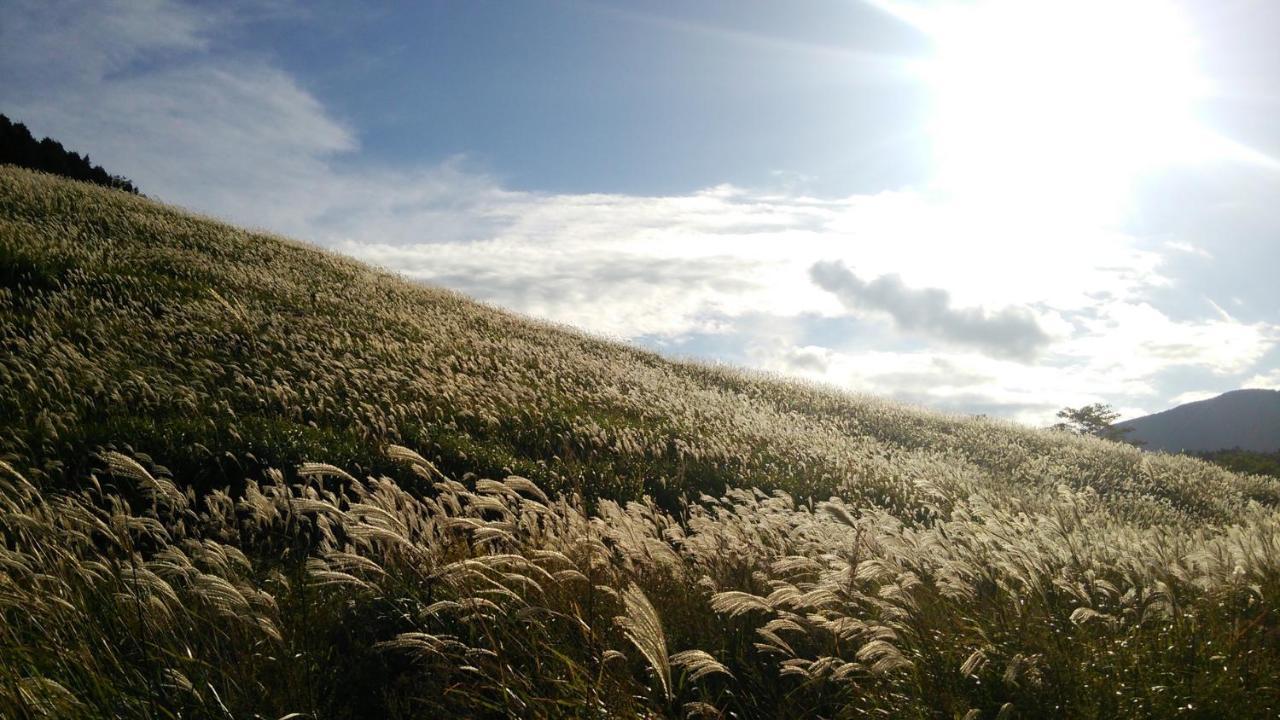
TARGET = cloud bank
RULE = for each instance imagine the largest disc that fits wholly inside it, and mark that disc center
(1010, 332)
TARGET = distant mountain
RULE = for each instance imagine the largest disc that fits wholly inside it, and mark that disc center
(1247, 419)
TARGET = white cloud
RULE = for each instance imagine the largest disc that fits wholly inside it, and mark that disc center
(1188, 248)
(1265, 381)
(1192, 396)
(237, 137)
(1134, 339)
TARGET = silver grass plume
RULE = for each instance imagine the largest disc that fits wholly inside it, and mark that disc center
(643, 628)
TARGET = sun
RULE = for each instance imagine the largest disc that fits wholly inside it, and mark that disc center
(1070, 100)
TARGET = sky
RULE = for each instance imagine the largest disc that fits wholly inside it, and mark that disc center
(981, 206)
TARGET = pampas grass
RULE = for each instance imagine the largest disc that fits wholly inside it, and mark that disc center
(227, 490)
(499, 599)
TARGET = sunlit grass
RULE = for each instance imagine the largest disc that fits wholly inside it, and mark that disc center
(245, 478)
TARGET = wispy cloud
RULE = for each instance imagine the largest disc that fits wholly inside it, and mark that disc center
(80, 43)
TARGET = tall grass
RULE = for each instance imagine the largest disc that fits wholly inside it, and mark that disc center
(221, 352)
(335, 597)
(243, 478)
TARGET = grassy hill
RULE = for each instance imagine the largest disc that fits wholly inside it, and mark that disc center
(245, 478)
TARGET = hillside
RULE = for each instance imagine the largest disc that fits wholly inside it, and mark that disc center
(1244, 419)
(242, 476)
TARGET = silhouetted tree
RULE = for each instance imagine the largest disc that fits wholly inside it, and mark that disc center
(19, 147)
(1097, 419)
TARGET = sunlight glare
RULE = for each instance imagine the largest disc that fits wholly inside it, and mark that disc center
(1063, 101)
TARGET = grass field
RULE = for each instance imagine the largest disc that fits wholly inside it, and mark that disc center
(245, 478)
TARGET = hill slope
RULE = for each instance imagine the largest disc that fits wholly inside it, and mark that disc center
(1245, 419)
(128, 322)
(174, 546)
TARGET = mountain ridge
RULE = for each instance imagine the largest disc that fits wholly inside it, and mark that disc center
(1247, 419)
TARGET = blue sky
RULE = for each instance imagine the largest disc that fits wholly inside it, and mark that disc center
(991, 206)
(614, 97)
